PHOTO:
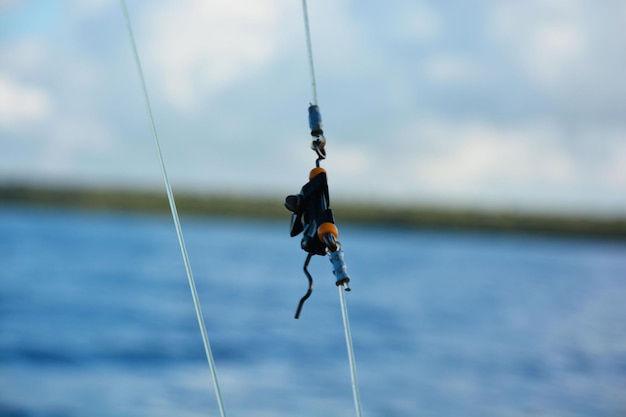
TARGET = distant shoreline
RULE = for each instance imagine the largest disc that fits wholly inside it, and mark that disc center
(272, 208)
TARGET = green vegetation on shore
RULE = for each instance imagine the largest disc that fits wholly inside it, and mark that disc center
(272, 208)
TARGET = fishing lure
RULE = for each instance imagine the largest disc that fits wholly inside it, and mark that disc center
(313, 217)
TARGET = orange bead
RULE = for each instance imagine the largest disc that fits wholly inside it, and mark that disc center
(326, 228)
(315, 172)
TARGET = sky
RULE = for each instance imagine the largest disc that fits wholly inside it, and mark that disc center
(491, 104)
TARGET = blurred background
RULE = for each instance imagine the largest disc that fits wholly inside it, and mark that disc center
(493, 106)
(480, 103)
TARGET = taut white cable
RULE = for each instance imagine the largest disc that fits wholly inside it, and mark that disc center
(309, 50)
(179, 231)
(346, 327)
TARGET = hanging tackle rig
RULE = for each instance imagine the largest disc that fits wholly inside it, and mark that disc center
(312, 216)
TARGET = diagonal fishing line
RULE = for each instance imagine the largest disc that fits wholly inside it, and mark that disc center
(170, 197)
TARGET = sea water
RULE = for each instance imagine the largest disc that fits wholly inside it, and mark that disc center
(96, 319)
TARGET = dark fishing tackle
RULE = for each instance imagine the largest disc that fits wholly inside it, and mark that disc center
(313, 217)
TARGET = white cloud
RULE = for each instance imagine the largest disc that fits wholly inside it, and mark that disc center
(24, 57)
(611, 163)
(84, 9)
(7, 4)
(536, 162)
(76, 143)
(419, 24)
(615, 171)
(477, 154)
(447, 68)
(448, 158)
(21, 104)
(350, 162)
(554, 49)
(205, 47)
(549, 38)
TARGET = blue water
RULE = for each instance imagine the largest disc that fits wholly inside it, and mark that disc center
(96, 319)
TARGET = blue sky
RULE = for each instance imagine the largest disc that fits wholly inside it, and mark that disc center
(502, 104)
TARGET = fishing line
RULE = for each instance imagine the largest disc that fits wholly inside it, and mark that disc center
(346, 326)
(309, 49)
(312, 216)
(170, 197)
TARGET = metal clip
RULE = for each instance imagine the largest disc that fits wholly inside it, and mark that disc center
(315, 123)
(318, 145)
(340, 270)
